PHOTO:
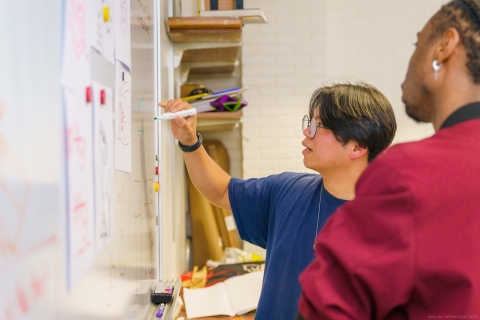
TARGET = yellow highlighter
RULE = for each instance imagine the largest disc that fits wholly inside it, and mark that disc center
(194, 97)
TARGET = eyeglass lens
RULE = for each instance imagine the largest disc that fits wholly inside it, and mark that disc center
(307, 122)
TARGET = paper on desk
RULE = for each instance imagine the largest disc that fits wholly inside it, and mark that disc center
(236, 295)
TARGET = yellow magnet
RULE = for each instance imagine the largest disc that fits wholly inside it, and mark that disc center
(106, 14)
(156, 186)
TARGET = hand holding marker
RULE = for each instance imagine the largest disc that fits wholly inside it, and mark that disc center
(173, 115)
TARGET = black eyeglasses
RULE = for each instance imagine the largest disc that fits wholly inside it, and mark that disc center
(312, 125)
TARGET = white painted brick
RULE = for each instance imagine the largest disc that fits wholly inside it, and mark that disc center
(261, 165)
(276, 132)
(295, 165)
(249, 48)
(293, 18)
(276, 90)
(281, 7)
(276, 111)
(293, 39)
(297, 59)
(293, 101)
(255, 81)
(259, 59)
(279, 69)
(295, 144)
(274, 49)
(251, 153)
(261, 143)
(276, 154)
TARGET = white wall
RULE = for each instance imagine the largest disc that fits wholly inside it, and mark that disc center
(307, 44)
(372, 40)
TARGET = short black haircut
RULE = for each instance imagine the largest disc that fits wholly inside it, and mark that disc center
(358, 112)
(464, 16)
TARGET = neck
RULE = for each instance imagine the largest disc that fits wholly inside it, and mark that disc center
(341, 183)
(453, 93)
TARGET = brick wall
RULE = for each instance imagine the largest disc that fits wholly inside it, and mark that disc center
(284, 61)
(307, 44)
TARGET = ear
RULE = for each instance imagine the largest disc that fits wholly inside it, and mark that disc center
(447, 45)
(357, 151)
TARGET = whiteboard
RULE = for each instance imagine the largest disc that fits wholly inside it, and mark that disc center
(34, 263)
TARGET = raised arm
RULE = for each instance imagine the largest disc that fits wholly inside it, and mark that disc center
(207, 176)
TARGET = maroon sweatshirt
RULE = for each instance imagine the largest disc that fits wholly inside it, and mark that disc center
(408, 245)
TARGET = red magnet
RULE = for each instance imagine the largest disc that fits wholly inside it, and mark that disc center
(102, 96)
(156, 171)
(88, 94)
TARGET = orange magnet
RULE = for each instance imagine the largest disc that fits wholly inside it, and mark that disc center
(156, 186)
(102, 96)
(106, 14)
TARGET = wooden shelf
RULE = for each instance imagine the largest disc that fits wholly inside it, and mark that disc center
(211, 121)
(204, 41)
(204, 29)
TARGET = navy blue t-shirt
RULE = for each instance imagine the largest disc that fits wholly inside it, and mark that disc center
(279, 213)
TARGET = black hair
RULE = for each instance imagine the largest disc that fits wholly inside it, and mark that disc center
(358, 112)
(464, 16)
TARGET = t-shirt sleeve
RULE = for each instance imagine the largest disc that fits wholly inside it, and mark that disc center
(251, 203)
(364, 257)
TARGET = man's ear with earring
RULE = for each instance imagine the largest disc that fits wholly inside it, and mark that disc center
(436, 67)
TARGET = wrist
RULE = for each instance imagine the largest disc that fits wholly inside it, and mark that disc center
(191, 147)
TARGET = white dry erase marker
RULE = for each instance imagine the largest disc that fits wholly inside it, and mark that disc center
(173, 115)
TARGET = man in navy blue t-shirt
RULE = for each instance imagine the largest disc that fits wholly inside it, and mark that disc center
(347, 126)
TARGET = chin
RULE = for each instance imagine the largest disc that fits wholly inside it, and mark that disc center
(413, 112)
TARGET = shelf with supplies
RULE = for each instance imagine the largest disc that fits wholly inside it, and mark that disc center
(209, 44)
(207, 68)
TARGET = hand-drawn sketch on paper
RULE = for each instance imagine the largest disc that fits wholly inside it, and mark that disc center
(101, 28)
(80, 187)
(76, 55)
(122, 32)
(103, 164)
(123, 119)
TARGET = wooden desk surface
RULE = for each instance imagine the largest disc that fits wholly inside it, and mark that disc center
(182, 314)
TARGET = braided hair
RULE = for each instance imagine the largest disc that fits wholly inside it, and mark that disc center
(464, 16)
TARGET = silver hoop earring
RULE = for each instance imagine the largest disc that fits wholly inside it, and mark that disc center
(436, 67)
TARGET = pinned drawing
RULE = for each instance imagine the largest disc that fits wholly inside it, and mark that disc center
(15, 188)
(101, 28)
(103, 162)
(32, 288)
(122, 32)
(80, 198)
(76, 55)
(123, 119)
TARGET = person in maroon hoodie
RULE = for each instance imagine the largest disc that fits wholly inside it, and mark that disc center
(408, 245)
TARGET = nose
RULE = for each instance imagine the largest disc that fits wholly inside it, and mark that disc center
(306, 132)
